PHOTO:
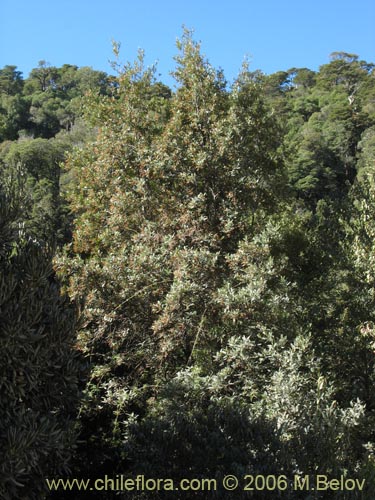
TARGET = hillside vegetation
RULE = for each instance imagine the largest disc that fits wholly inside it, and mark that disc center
(187, 276)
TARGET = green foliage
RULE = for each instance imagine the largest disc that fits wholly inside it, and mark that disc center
(11, 82)
(222, 258)
(210, 425)
(324, 115)
(31, 174)
(13, 115)
(182, 180)
(211, 312)
(38, 369)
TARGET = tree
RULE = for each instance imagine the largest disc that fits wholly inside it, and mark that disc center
(165, 199)
(38, 369)
(323, 145)
(14, 115)
(11, 82)
(31, 170)
(42, 78)
(344, 70)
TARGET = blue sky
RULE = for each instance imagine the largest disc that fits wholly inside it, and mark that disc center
(275, 34)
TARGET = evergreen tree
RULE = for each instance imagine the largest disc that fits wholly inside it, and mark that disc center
(38, 368)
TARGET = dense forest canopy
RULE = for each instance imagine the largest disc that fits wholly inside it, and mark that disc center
(187, 276)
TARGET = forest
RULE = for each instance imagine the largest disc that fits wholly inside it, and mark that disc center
(187, 279)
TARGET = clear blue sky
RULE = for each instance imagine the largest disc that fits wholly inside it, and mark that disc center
(276, 34)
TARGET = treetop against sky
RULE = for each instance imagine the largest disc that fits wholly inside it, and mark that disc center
(274, 35)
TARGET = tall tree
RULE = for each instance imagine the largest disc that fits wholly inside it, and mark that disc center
(165, 200)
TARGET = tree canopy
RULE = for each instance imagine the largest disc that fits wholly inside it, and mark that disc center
(217, 242)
